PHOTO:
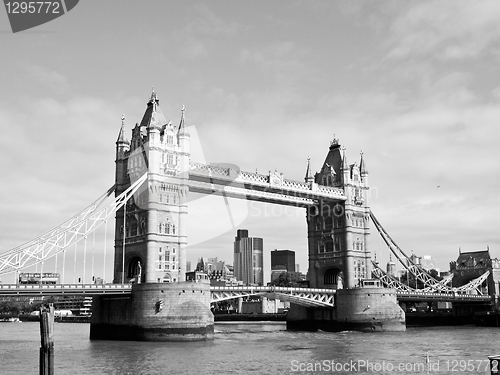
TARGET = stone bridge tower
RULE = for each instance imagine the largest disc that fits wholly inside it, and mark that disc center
(154, 222)
(338, 231)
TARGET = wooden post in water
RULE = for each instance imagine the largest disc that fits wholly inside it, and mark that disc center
(47, 336)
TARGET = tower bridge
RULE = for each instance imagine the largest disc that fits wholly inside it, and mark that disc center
(154, 176)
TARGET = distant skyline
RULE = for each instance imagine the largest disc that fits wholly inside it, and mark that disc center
(414, 85)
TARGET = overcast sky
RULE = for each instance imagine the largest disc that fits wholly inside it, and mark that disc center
(415, 85)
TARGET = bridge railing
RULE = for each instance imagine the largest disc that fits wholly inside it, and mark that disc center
(442, 296)
(27, 289)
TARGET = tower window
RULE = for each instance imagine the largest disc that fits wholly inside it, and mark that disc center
(170, 159)
(329, 223)
(329, 246)
(337, 244)
(321, 248)
(339, 222)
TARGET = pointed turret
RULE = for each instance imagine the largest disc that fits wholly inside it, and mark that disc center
(362, 166)
(121, 135)
(122, 144)
(182, 133)
(309, 178)
(345, 164)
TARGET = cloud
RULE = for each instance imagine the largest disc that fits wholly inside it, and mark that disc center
(51, 79)
(446, 30)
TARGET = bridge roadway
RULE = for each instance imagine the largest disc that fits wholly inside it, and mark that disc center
(314, 297)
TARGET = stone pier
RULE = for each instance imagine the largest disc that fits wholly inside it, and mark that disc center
(358, 309)
(155, 312)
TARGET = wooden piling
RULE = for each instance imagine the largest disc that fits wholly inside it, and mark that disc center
(47, 339)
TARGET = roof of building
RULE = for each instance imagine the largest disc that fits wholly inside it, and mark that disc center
(481, 256)
(153, 117)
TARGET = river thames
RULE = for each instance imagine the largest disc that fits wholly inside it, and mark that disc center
(256, 348)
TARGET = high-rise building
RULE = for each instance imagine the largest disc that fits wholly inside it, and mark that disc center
(282, 261)
(248, 258)
(283, 258)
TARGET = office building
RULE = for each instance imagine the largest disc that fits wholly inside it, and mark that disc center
(248, 258)
(282, 261)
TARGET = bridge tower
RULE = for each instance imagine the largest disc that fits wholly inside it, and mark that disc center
(150, 241)
(154, 223)
(338, 231)
(339, 255)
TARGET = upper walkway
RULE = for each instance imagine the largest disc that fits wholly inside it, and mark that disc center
(271, 187)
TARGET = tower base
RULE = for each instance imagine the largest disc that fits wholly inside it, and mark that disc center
(360, 309)
(154, 312)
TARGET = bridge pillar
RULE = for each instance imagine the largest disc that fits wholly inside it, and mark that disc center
(358, 309)
(155, 312)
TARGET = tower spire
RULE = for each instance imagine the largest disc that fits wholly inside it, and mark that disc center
(309, 177)
(362, 166)
(121, 135)
(153, 117)
(153, 99)
(345, 165)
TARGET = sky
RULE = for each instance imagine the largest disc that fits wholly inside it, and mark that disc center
(414, 85)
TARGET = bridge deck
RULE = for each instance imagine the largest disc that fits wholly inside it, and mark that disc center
(63, 289)
(97, 289)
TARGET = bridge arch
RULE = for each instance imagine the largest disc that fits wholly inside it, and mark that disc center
(333, 278)
(134, 269)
